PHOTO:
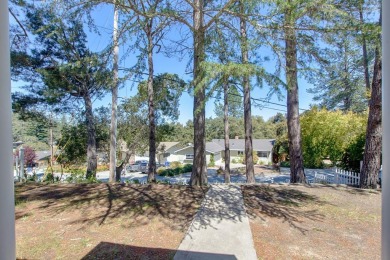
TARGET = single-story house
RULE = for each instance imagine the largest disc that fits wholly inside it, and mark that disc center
(262, 147)
(166, 152)
(42, 158)
(185, 154)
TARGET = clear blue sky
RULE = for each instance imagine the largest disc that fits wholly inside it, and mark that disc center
(104, 20)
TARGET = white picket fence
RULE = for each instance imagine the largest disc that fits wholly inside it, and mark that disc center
(339, 176)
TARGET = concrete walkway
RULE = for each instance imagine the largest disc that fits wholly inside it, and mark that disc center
(220, 230)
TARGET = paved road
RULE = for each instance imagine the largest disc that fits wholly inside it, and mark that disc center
(213, 178)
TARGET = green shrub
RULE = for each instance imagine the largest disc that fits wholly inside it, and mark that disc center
(241, 159)
(285, 164)
(175, 171)
(174, 165)
(92, 180)
(160, 170)
(212, 161)
(103, 167)
(76, 176)
(234, 160)
(327, 134)
(187, 168)
(255, 157)
(31, 178)
(353, 154)
(261, 162)
(77, 171)
(49, 177)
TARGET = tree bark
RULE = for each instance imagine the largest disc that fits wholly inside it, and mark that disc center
(364, 46)
(250, 174)
(293, 124)
(91, 138)
(114, 106)
(199, 176)
(226, 126)
(119, 169)
(347, 86)
(373, 147)
(152, 123)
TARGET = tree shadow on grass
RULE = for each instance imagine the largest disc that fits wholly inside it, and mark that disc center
(222, 203)
(105, 250)
(136, 204)
(354, 190)
(282, 202)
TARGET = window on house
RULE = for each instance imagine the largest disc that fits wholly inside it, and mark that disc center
(240, 153)
(189, 156)
(262, 154)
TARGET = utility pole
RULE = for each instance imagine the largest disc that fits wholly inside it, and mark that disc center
(7, 204)
(114, 106)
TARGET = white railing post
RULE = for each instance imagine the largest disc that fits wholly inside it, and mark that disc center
(7, 206)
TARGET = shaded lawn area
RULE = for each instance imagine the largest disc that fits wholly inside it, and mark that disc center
(102, 221)
(314, 222)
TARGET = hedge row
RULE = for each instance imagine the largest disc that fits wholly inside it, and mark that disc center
(175, 171)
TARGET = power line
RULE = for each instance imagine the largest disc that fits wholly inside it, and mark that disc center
(252, 98)
(218, 98)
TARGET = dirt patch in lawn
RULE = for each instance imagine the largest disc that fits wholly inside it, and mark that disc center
(314, 222)
(102, 221)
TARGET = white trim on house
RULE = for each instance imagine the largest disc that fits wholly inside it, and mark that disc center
(217, 150)
(174, 151)
(189, 147)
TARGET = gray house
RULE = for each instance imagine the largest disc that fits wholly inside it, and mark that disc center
(262, 147)
(185, 154)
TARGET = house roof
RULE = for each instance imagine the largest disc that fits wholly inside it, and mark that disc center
(264, 145)
(211, 147)
(214, 147)
(217, 145)
(165, 146)
(42, 155)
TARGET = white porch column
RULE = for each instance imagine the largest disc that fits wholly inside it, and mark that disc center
(386, 129)
(7, 208)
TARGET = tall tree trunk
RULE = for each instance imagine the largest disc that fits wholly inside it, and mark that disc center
(293, 124)
(91, 138)
(347, 86)
(152, 124)
(113, 127)
(226, 126)
(250, 174)
(199, 176)
(119, 168)
(373, 148)
(364, 46)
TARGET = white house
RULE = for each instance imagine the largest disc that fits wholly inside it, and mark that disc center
(173, 151)
(262, 147)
